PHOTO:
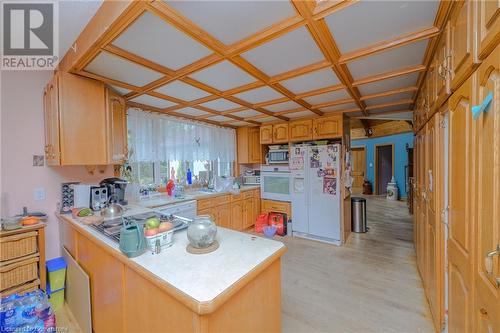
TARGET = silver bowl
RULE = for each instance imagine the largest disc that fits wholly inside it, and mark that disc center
(113, 211)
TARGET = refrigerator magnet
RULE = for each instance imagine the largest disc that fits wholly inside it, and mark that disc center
(330, 186)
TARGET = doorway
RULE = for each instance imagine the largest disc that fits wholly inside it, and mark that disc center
(384, 167)
(358, 171)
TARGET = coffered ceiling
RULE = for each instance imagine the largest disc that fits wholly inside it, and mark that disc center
(240, 63)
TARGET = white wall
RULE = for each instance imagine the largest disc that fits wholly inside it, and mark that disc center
(22, 136)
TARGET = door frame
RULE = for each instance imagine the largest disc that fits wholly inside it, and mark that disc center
(375, 148)
(365, 150)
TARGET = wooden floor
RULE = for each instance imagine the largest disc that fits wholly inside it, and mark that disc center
(369, 285)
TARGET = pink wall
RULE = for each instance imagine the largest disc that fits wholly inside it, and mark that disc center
(22, 136)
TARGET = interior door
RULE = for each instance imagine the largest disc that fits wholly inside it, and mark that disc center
(384, 167)
(460, 251)
(358, 163)
(487, 279)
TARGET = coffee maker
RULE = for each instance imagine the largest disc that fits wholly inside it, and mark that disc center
(116, 189)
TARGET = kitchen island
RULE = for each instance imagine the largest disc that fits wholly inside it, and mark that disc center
(237, 288)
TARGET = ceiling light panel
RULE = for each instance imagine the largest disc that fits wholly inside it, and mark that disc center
(246, 113)
(393, 59)
(267, 119)
(223, 76)
(220, 105)
(220, 118)
(389, 84)
(301, 114)
(191, 112)
(153, 101)
(389, 99)
(381, 21)
(154, 39)
(290, 51)
(328, 97)
(395, 116)
(258, 95)
(182, 91)
(239, 123)
(119, 69)
(120, 90)
(282, 106)
(311, 81)
(401, 107)
(231, 21)
(339, 107)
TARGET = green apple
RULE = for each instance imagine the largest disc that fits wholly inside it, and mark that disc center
(152, 223)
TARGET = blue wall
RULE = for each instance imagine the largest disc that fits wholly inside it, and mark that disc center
(400, 156)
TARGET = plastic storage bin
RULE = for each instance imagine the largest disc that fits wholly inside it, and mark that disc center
(56, 298)
(56, 271)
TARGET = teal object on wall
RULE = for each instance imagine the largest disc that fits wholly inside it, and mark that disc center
(400, 156)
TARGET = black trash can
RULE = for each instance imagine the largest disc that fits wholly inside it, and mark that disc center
(358, 214)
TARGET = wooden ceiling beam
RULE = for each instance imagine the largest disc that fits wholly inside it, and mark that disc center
(332, 103)
(389, 75)
(385, 105)
(107, 80)
(389, 93)
(325, 8)
(320, 91)
(389, 44)
(300, 71)
(386, 113)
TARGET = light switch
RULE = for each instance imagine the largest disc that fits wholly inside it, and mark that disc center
(39, 193)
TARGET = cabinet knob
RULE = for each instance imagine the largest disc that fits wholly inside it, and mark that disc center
(488, 261)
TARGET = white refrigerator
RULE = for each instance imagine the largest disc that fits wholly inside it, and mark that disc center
(316, 192)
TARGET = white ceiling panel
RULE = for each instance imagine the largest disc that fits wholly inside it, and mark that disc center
(258, 95)
(116, 68)
(390, 108)
(389, 84)
(246, 113)
(154, 39)
(327, 97)
(311, 81)
(220, 118)
(192, 112)
(182, 91)
(393, 116)
(339, 107)
(301, 114)
(394, 59)
(293, 50)
(221, 104)
(389, 99)
(239, 123)
(231, 21)
(367, 22)
(223, 76)
(267, 119)
(153, 101)
(120, 90)
(282, 106)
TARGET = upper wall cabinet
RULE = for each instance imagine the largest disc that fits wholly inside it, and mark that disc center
(488, 26)
(266, 134)
(248, 145)
(85, 124)
(277, 133)
(327, 127)
(301, 130)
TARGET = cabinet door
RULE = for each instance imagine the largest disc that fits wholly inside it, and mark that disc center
(430, 80)
(461, 231)
(327, 127)
(266, 134)
(256, 203)
(461, 43)
(236, 215)
(51, 115)
(254, 145)
(210, 212)
(488, 27)
(301, 130)
(248, 212)
(224, 215)
(442, 68)
(280, 133)
(487, 125)
(117, 128)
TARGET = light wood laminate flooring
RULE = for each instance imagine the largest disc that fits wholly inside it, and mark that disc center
(369, 285)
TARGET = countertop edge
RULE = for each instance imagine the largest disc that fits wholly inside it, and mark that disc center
(201, 308)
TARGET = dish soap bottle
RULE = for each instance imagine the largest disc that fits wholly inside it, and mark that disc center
(189, 177)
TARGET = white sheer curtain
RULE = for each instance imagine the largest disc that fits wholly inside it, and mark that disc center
(155, 137)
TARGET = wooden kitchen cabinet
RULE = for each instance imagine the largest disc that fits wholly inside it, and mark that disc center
(488, 26)
(248, 143)
(223, 213)
(84, 124)
(266, 134)
(442, 63)
(327, 127)
(276, 206)
(280, 133)
(237, 215)
(248, 213)
(301, 130)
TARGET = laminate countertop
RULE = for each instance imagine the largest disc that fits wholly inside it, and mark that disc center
(203, 277)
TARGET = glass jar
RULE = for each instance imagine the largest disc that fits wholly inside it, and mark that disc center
(202, 231)
(11, 223)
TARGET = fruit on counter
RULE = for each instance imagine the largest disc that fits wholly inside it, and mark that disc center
(165, 226)
(152, 223)
(85, 212)
(151, 232)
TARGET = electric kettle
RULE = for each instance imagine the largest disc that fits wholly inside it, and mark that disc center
(132, 240)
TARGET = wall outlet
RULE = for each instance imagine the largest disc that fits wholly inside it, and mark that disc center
(39, 193)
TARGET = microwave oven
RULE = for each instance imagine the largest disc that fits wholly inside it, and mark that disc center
(277, 156)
